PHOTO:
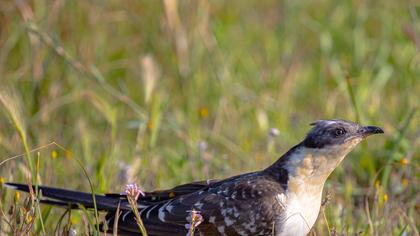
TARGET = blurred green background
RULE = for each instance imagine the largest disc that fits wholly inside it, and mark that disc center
(164, 92)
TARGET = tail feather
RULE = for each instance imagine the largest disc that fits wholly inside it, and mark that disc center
(64, 197)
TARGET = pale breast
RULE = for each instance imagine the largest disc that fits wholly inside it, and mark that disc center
(301, 214)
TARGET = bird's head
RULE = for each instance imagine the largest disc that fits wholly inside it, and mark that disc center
(332, 140)
(323, 149)
(337, 133)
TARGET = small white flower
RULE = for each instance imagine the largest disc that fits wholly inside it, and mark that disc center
(274, 132)
(72, 232)
(202, 146)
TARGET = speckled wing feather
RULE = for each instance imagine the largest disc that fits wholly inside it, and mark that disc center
(247, 206)
(241, 205)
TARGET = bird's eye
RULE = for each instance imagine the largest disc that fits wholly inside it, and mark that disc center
(340, 132)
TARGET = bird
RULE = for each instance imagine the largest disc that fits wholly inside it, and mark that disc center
(281, 199)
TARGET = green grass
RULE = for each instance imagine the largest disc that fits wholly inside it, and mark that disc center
(161, 93)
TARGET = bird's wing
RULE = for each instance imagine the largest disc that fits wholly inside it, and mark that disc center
(230, 207)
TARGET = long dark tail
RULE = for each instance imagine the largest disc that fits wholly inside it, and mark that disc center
(70, 198)
(76, 199)
(109, 203)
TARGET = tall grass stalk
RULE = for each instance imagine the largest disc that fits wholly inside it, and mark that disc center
(92, 190)
(352, 96)
(133, 192)
(10, 102)
(12, 106)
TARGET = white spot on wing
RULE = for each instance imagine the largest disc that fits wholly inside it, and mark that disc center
(229, 221)
(123, 218)
(149, 210)
(161, 214)
(198, 205)
(169, 208)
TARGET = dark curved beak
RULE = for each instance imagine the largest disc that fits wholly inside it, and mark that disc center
(369, 130)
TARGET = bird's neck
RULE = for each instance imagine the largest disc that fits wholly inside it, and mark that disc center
(308, 166)
(302, 172)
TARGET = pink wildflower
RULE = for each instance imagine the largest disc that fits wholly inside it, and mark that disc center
(133, 191)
